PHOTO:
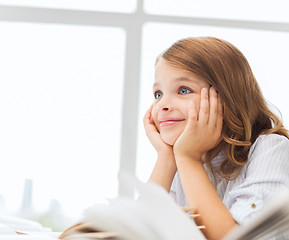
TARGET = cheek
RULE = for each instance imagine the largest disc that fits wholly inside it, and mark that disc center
(184, 107)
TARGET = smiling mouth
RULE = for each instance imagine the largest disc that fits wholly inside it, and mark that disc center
(169, 123)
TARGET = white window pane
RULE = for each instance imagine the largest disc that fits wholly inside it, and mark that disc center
(266, 51)
(91, 5)
(60, 106)
(257, 10)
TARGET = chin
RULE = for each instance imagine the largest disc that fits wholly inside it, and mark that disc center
(170, 140)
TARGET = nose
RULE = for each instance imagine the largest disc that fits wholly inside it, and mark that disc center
(165, 104)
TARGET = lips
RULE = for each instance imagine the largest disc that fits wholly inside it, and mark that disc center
(169, 122)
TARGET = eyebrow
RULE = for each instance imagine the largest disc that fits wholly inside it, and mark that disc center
(180, 79)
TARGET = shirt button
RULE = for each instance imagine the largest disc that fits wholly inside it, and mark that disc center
(253, 205)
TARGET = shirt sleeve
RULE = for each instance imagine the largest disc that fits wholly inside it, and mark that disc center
(266, 174)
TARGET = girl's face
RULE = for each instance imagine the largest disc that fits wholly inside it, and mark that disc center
(173, 89)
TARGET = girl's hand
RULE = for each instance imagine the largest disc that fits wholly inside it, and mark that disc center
(154, 135)
(202, 132)
(165, 167)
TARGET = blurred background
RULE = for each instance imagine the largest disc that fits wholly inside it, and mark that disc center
(76, 79)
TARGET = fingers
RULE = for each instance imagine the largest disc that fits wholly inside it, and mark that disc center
(214, 107)
(204, 107)
(211, 110)
(219, 122)
(193, 117)
(148, 113)
(148, 121)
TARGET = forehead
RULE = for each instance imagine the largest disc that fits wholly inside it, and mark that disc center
(166, 73)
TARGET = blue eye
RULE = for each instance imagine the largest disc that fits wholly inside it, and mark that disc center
(184, 90)
(158, 94)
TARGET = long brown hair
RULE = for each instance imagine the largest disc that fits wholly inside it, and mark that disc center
(246, 113)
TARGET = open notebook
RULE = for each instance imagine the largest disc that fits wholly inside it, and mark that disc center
(155, 216)
(152, 216)
(15, 228)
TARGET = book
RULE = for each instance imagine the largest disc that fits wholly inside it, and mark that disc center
(152, 215)
(16, 228)
(16, 225)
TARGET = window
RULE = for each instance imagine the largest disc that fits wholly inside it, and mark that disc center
(60, 105)
(71, 81)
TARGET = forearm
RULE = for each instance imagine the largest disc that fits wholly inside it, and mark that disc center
(201, 194)
(164, 171)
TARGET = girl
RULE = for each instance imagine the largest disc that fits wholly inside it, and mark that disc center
(220, 148)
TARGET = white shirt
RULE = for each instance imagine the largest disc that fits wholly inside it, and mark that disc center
(266, 173)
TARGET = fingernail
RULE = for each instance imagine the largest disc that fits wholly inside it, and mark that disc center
(205, 90)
